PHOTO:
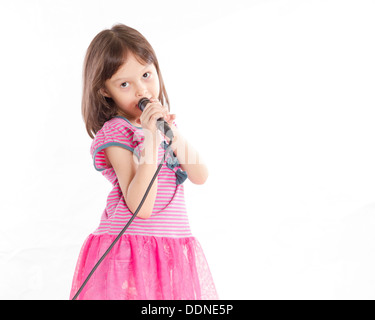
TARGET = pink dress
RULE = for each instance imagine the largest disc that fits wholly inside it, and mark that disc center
(156, 258)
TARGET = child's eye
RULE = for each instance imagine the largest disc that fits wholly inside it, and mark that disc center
(126, 84)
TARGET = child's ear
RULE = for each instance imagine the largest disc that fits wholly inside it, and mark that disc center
(104, 93)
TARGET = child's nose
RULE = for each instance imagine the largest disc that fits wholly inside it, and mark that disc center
(141, 91)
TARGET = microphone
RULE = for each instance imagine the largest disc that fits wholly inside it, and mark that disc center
(161, 124)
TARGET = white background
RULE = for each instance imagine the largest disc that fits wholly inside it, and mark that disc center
(278, 97)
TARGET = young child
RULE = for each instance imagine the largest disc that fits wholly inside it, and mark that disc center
(157, 257)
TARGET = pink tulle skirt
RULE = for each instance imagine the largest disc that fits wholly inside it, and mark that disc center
(143, 267)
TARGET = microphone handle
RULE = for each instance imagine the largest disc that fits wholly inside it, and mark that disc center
(161, 124)
(164, 127)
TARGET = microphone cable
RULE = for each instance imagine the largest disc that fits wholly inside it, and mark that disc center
(129, 222)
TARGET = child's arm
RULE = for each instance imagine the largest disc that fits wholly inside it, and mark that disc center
(134, 178)
(189, 159)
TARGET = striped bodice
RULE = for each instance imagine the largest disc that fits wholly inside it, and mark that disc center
(169, 217)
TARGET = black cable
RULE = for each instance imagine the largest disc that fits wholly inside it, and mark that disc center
(129, 222)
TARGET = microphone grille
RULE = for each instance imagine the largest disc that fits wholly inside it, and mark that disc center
(142, 103)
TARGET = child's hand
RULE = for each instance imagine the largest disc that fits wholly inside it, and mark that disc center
(153, 111)
(167, 116)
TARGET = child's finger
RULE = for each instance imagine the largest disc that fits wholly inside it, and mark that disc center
(170, 118)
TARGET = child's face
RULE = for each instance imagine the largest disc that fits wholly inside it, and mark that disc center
(129, 84)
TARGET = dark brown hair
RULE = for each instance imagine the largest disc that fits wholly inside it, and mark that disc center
(106, 53)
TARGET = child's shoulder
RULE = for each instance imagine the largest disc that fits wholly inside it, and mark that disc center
(118, 123)
(116, 126)
(116, 131)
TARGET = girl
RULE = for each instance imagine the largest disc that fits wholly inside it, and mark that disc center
(157, 257)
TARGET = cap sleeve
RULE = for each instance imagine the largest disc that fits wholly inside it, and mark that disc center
(113, 133)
